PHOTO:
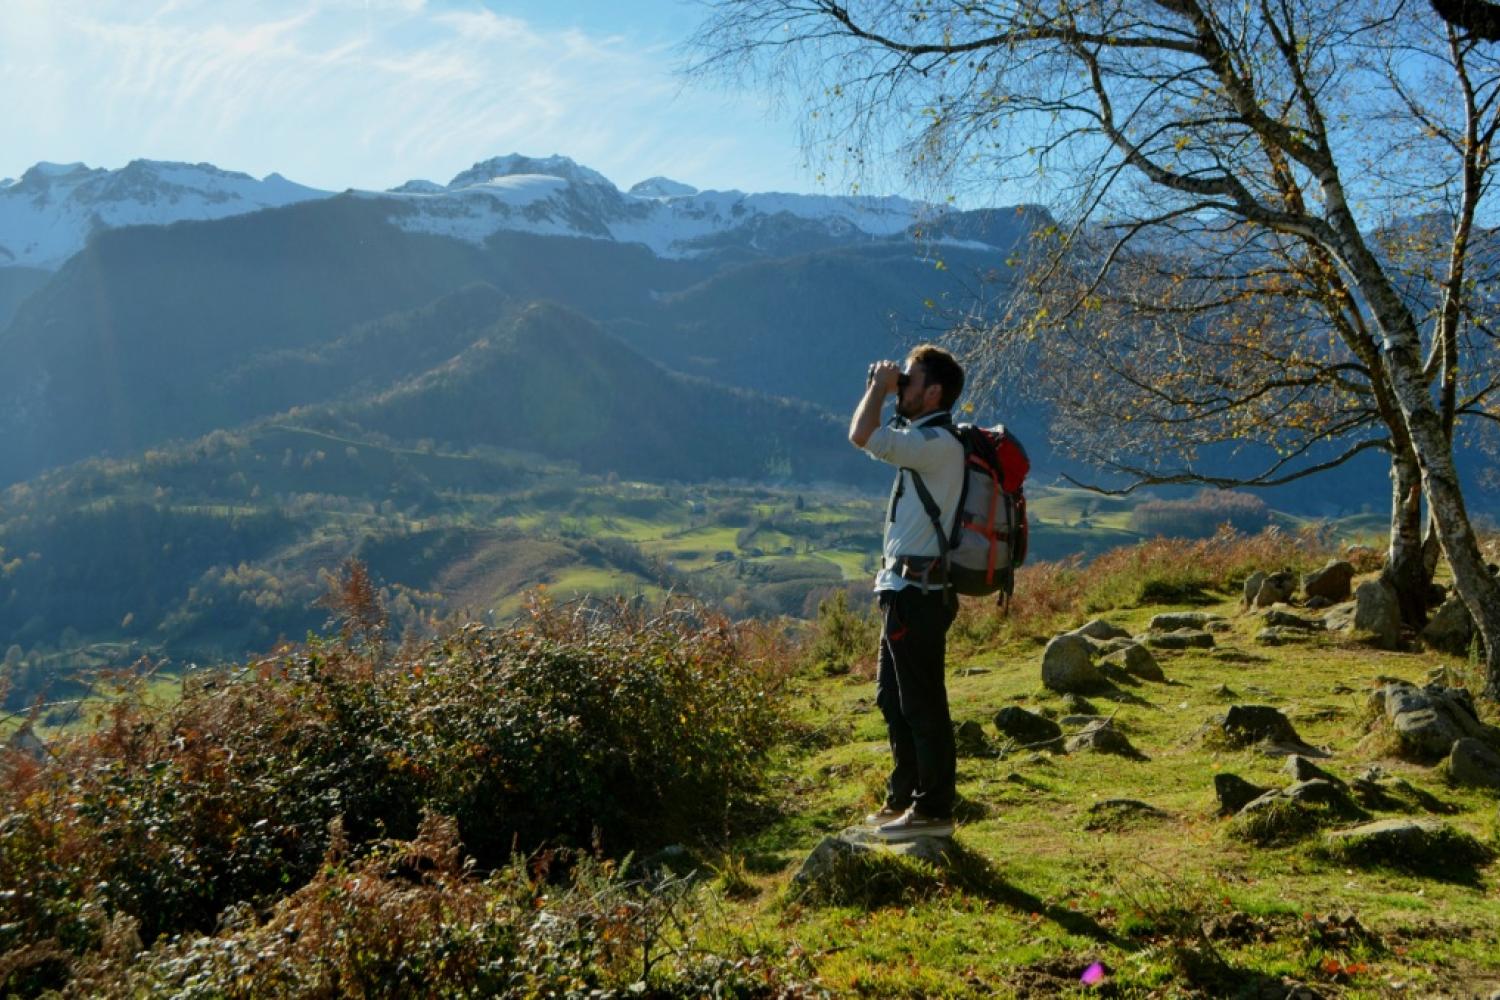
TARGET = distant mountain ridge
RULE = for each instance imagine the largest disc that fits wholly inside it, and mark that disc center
(50, 213)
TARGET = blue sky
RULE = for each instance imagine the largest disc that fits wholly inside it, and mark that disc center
(371, 93)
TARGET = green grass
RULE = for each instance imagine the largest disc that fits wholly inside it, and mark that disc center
(1056, 896)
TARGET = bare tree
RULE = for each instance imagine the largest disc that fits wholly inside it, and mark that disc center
(1286, 133)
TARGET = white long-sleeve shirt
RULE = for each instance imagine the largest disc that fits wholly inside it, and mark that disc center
(939, 458)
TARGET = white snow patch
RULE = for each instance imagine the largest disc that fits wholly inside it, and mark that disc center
(50, 213)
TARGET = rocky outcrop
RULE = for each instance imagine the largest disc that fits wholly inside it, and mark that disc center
(1137, 661)
(1068, 665)
(1473, 763)
(1428, 720)
(1451, 628)
(1374, 610)
(1331, 583)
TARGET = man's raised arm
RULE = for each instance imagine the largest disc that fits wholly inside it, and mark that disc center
(881, 383)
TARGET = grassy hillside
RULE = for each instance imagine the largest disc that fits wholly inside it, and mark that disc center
(1050, 874)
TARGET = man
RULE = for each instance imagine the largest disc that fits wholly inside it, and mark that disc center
(916, 607)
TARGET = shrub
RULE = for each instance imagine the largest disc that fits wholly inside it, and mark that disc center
(842, 637)
(582, 722)
(410, 919)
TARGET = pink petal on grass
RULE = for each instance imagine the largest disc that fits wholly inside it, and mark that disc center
(1093, 975)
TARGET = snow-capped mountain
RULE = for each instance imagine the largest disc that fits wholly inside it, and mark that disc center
(556, 196)
(48, 214)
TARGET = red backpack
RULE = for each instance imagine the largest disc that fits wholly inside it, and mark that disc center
(989, 535)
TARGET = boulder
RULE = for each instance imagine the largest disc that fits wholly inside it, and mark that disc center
(1276, 588)
(1171, 621)
(1428, 720)
(1235, 793)
(1068, 665)
(1373, 610)
(1026, 728)
(1474, 763)
(1252, 587)
(1318, 603)
(1281, 618)
(824, 861)
(1181, 639)
(1451, 628)
(1331, 583)
(1247, 724)
(1101, 736)
(1405, 843)
(1101, 629)
(1137, 661)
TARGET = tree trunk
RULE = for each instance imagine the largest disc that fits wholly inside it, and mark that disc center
(1479, 590)
(1405, 566)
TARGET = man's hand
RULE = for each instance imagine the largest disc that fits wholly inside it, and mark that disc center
(884, 375)
(882, 379)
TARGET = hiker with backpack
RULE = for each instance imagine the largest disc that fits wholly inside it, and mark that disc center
(955, 524)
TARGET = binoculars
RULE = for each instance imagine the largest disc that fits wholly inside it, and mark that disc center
(901, 380)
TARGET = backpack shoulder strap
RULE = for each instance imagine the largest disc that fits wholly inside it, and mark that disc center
(934, 513)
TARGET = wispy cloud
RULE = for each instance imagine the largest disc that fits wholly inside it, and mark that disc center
(361, 92)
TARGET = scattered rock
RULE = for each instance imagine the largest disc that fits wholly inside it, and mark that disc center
(1318, 603)
(1302, 769)
(1247, 724)
(1102, 737)
(1331, 583)
(1171, 621)
(1111, 814)
(970, 741)
(1280, 635)
(1317, 790)
(1276, 588)
(1451, 628)
(1373, 610)
(1235, 793)
(1428, 720)
(1137, 661)
(1252, 587)
(1026, 728)
(1412, 844)
(1068, 665)
(1473, 763)
(1181, 639)
(1101, 629)
(1223, 691)
(1078, 705)
(825, 860)
(1077, 721)
(1281, 618)
(1219, 627)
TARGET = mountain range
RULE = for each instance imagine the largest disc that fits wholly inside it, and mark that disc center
(152, 332)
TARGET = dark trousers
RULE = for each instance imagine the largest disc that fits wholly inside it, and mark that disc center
(913, 697)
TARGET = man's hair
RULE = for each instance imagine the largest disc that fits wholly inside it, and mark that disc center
(938, 366)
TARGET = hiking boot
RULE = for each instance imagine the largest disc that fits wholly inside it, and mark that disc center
(912, 825)
(886, 815)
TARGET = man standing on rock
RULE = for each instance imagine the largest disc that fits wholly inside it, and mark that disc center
(916, 606)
